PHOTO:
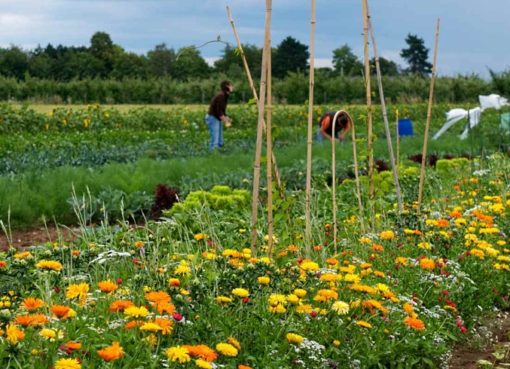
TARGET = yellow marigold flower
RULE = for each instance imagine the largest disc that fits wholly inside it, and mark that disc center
(478, 253)
(234, 342)
(263, 280)
(325, 295)
(309, 266)
(364, 324)
(427, 264)
(489, 230)
(424, 245)
(14, 334)
(107, 286)
(340, 307)
(136, 312)
(277, 299)
(77, 291)
(460, 222)
(67, 364)
(49, 265)
(22, 255)
(151, 327)
(401, 260)
(293, 299)
(329, 277)
(352, 278)
(277, 309)
(294, 338)
(414, 323)
(203, 364)
(223, 299)
(504, 258)
(201, 236)
(226, 349)
(299, 292)
(49, 334)
(336, 343)
(387, 235)
(379, 274)
(139, 244)
(178, 354)
(182, 268)
(240, 292)
(408, 308)
(365, 240)
(304, 309)
(32, 304)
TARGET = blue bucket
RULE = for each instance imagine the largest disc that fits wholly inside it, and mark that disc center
(405, 127)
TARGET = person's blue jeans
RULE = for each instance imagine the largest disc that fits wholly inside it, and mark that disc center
(215, 130)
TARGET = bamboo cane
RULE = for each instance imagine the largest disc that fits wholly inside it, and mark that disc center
(356, 175)
(369, 102)
(308, 226)
(258, 149)
(333, 175)
(254, 92)
(429, 115)
(269, 153)
(385, 115)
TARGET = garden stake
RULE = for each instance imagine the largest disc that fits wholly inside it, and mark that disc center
(333, 175)
(258, 149)
(356, 176)
(371, 193)
(385, 116)
(429, 115)
(308, 227)
(269, 153)
(255, 96)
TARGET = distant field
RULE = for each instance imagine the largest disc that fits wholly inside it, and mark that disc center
(46, 108)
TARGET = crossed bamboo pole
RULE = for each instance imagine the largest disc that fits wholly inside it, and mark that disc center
(308, 226)
(385, 115)
(333, 176)
(261, 108)
(254, 91)
(429, 116)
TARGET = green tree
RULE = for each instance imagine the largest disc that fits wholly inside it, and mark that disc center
(345, 62)
(160, 60)
(102, 48)
(388, 67)
(231, 62)
(416, 56)
(290, 56)
(130, 65)
(13, 62)
(189, 64)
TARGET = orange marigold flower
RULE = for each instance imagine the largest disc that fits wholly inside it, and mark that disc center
(107, 286)
(120, 305)
(60, 311)
(202, 351)
(241, 366)
(414, 323)
(3, 264)
(427, 264)
(31, 303)
(133, 324)
(377, 247)
(72, 346)
(165, 308)
(112, 352)
(158, 297)
(14, 334)
(31, 320)
(165, 324)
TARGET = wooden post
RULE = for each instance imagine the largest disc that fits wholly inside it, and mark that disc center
(308, 226)
(385, 116)
(254, 92)
(258, 148)
(269, 153)
(429, 116)
(356, 176)
(368, 86)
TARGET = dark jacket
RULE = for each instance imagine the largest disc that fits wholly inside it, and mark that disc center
(218, 106)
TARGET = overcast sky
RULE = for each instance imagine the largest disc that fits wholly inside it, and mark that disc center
(475, 34)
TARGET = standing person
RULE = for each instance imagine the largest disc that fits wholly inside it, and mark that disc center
(342, 126)
(217, 115)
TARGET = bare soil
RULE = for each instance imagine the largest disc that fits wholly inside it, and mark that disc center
(466, 356)
(36, 236)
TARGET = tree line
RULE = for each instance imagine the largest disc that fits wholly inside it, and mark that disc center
(103, 59)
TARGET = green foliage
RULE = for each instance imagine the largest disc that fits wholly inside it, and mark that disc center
(416, 56)
(290, 56)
